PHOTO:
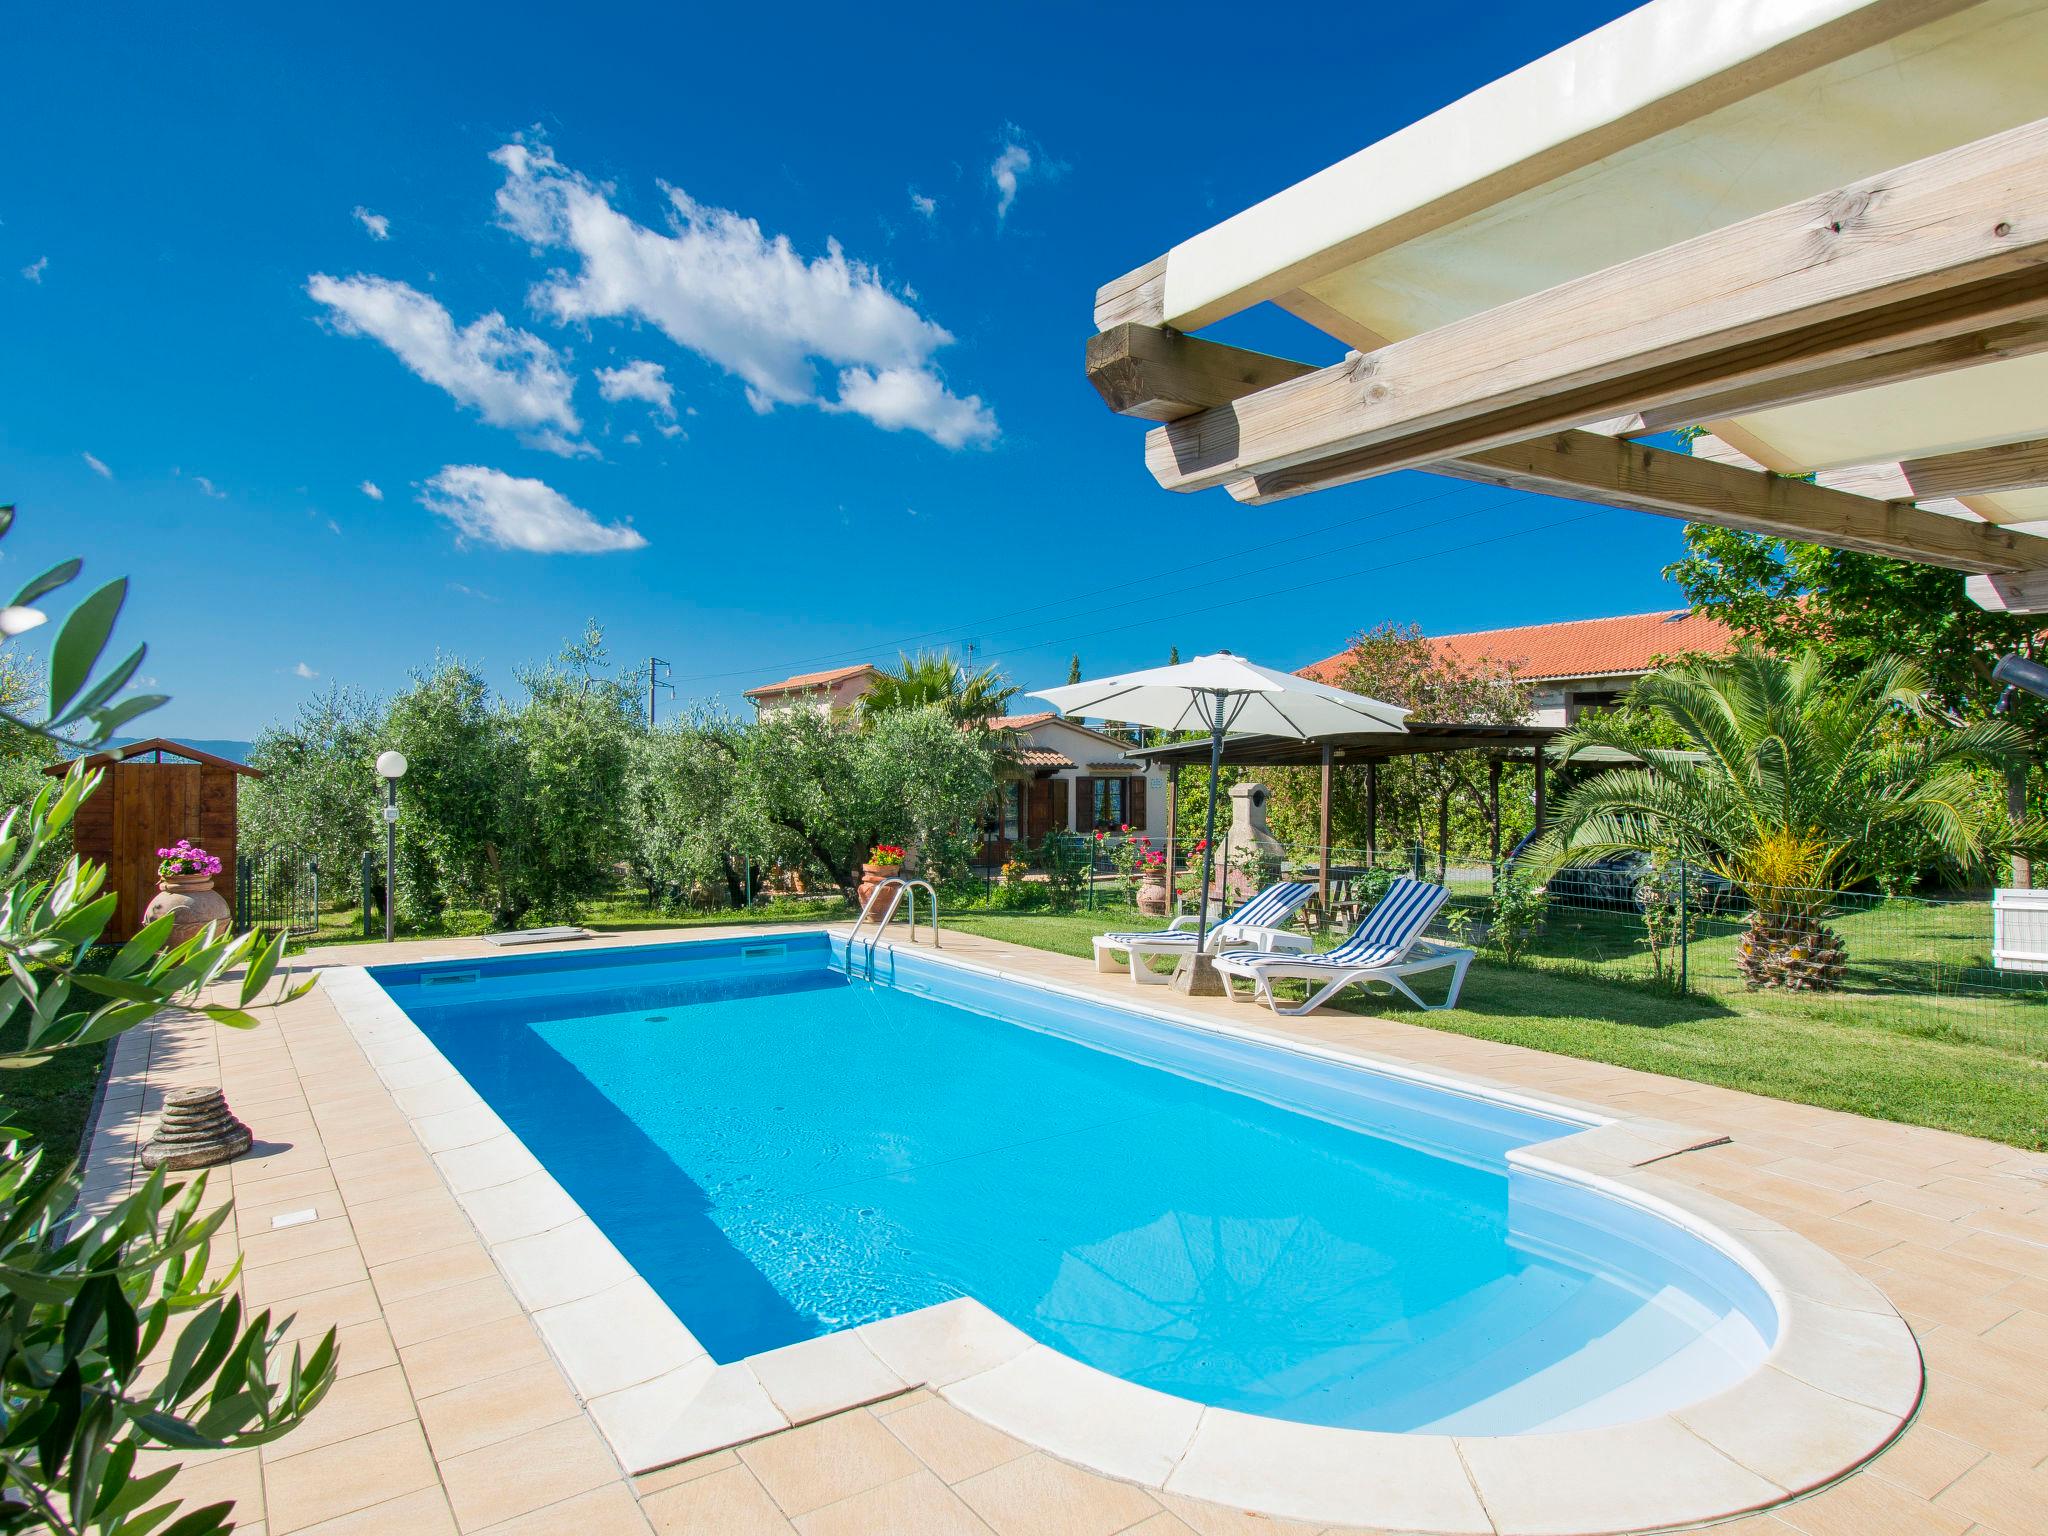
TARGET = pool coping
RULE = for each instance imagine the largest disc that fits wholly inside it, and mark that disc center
(1842, 1380)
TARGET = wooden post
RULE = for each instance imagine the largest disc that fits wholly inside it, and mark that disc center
(1372, 812)
(1172, 826)
(1541, 764)
(1494, 812)
(1323, 852)
(2016, 809)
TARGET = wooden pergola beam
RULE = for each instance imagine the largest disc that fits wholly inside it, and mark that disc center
(2010, 591)
(1871, 267)
(1996, 343)
(1138, 371)
(1158, 375)
(1981, 471)
(1610, 471)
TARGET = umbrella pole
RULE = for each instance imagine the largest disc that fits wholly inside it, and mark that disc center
(1197, 975)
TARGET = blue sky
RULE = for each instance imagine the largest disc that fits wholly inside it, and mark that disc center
(753, 333)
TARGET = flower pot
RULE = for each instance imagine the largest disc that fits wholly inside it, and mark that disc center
(872, 875)
(1152, 896)
(192, 902)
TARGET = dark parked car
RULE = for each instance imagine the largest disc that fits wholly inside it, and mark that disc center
(1608, 884)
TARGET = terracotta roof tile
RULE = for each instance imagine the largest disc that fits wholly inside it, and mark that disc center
(808, 680)
(1616, 647)
(1041, 757)
(1021, 722)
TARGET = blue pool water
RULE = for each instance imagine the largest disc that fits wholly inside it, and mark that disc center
(783, 1152)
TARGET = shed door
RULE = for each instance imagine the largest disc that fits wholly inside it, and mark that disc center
(155, 804)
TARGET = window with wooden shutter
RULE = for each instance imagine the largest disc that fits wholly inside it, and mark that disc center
(1059, 821)
(1084, 804)
(1137, 816)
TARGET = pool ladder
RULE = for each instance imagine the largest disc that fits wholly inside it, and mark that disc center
(893, 889)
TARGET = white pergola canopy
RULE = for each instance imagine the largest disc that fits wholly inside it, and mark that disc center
(1816, 228)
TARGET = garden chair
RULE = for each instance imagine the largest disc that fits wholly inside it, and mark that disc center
(1388, 948)
(1255, 927)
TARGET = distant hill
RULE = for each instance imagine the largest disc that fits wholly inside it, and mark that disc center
(236, 751)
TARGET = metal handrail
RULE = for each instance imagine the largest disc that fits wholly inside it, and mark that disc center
(900, 885)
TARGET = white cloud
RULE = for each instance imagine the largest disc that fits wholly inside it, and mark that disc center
(35, 269)
(302, 670)
(98, 466)
(896, 398)
(927, 206)
(639, 380)
(374, 491)
(515, 513)
(510, 377)
(1009, 169)
(376, 223)
(718, 286)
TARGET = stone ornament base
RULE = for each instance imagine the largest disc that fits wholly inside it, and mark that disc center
(196, 1130)
(1197, 976)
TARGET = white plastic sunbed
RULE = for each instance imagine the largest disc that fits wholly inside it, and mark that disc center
(1254, 926)
(1388, 948)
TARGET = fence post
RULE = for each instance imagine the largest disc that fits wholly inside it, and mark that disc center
(313, 912)
(1684, 928)
(241, 893)
(369, 883)
(747, 877)
(1419, 857)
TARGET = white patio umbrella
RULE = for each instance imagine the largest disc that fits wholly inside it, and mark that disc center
(1220, 694)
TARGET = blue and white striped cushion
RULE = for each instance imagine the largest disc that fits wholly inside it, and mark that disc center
(1388, 931)
(1270, 908)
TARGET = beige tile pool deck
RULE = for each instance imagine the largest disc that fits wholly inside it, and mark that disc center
(453, 1415)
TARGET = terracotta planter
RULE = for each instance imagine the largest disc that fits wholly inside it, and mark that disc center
(872, 875)
(192, 902)
(1152, 898)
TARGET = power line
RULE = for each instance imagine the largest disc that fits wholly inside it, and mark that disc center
(1300, 586)
(829, 657)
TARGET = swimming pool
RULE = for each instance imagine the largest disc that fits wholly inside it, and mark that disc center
(783, 1152)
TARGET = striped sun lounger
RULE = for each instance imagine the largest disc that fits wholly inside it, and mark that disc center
(1387, 948)
(1255, 927)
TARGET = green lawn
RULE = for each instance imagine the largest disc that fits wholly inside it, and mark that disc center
(50, 1096)
(1925, 1061)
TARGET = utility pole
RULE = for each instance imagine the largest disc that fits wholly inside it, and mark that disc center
(658, 673)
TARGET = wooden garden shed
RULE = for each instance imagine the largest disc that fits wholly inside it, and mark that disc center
(154, 793)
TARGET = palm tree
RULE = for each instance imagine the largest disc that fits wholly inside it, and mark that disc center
(934, 677)
(1794, 779)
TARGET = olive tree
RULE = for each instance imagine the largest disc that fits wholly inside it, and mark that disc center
(814, 790)
(318, 793)
(680, 804)
(450, 832)
(563, 797)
